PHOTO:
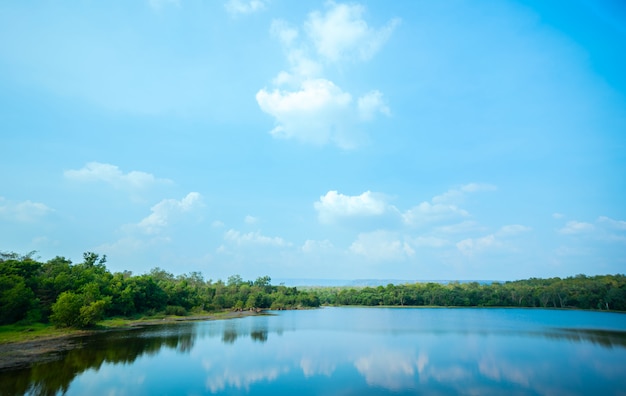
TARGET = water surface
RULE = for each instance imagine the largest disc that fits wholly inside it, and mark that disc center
(349, 351)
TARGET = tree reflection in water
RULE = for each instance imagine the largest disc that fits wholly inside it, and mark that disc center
(393, 351)
(119, 347)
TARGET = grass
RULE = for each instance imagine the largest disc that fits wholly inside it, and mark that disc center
(28, 332)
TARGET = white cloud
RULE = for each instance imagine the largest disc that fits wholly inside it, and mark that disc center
(24, 212)
(576, 227)
(430, 241)
(381, 246)
(164, 211)
(333, 206)
(286, 33)
(427, 212)
(317, 113)
(443, 206)
(309, 107)
(370, 104)
(312, 246)
(253, 238)
(237, 7)
(460, 228)
(476, 187)
(471, 246)
(558, 215)
(111, 174)
(611, 223)
(250, 219)
(457, 195)
(342, 33)
(500, 239)
(513, 229)
(130, 244)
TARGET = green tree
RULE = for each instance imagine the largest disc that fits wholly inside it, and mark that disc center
(66, 310)
(16, 299)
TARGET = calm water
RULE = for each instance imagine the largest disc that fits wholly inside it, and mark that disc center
(349, 351)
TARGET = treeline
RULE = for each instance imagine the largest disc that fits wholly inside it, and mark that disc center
(80, 295)
(603, 292)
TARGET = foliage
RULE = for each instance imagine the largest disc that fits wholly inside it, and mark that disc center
(80, 295)
(603, 292)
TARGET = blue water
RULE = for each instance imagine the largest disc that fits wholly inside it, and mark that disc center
(356, 351)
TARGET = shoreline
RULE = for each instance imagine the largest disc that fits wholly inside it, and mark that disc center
(22, 354)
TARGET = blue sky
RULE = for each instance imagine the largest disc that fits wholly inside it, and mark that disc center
(409, 140)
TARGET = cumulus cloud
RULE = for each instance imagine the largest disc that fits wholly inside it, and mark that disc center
(238, 7)
(459, 228)
(334, 205)
(444, 206)
(513, 229)
(166, 210)
(427, 212)
(612, 223)
(456, 195)
(284, 32)
(603, 229)
(309, 107)
(253, 238)
(471, 246)
(500, 239)
(430, 241)
(250, 219)
(576, 227)
(381, 246)
(23, 212)
(111, 174)
(370, 104)
(129, 244)
(312, 246)
(318, 112)
(342, 33)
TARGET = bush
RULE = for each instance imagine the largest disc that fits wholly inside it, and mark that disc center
(66, 310)
(175, 310)
(92, 313)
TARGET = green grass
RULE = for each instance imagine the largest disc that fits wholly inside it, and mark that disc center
(28, 332)
(22, 332)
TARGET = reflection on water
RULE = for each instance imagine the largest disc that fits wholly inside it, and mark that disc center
(117, 348)
(605, 338)
(348, 351)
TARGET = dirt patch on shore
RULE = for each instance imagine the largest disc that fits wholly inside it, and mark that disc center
(23, 354)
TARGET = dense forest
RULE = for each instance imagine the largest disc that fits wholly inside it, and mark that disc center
(80, 295)
(603, 292)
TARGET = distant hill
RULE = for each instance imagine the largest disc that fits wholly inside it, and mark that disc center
(295, 282)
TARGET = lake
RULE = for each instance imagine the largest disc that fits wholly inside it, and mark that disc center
(348, 351)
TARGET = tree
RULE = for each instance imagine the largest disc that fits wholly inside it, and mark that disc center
(90, 314)
(66, 310)
(16, 299)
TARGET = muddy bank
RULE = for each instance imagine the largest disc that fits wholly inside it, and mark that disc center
(23, 354)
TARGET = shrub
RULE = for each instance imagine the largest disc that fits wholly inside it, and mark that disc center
(175, 310)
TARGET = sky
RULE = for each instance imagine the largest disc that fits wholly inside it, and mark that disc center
(414, 140)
